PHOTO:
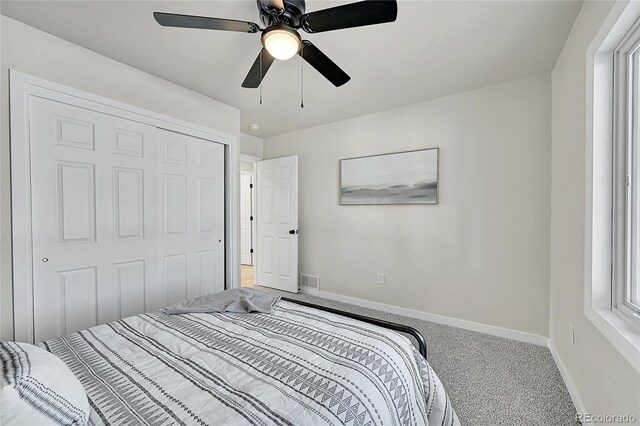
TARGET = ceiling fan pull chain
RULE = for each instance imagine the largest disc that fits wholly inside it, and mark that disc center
(302, 77)
(260, 78)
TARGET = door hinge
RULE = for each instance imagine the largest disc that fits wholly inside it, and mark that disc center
(251, 251)
(627, 180)
(250, 185)
(250, 217)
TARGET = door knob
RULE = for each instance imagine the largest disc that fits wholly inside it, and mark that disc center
(292, 231)
(45, 259)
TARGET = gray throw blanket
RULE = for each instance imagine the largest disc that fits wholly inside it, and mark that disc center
(240, 300)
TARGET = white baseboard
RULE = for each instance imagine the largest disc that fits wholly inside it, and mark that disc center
(468, 325)
(573, 392)
(440, 319)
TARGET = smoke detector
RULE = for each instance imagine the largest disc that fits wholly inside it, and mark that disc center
(254, 127)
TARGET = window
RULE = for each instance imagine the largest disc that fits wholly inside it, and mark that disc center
(612, 154)
(626, 178)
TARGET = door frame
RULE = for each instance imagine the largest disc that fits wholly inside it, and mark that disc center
(252, 159)
(21, 87)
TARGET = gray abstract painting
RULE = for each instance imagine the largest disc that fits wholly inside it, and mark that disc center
(400, 178)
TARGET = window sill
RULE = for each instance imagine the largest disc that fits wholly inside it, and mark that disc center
(622, 335)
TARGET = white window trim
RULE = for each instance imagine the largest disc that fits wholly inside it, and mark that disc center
(624, 132)
(622, 334)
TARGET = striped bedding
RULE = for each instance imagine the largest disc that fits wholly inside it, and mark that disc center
(295, 366)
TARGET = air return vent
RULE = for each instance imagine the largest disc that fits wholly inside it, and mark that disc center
(309, 281)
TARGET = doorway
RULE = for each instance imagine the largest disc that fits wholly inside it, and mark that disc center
(247, 223)
(269, 222)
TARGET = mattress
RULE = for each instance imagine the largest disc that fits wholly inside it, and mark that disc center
(295, 366)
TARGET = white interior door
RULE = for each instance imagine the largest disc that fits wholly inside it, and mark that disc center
(191, 194)
(126, 218)
(277, 217)
(246, 216)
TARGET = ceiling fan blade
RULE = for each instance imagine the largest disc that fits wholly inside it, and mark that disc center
(368, 12)
(254, 77)
(323, 64)
(204, 22)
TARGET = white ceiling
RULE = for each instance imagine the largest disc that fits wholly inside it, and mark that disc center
(435, 48)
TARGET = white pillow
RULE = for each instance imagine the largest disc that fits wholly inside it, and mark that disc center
(39, 389)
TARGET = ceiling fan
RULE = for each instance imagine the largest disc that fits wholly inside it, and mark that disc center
(280, 38)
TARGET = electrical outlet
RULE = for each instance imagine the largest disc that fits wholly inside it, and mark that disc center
(380, 278)
(572, 335)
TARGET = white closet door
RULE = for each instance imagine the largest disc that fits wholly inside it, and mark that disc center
(277, 216)
(126, 218)
(94, 218)
(191, 195)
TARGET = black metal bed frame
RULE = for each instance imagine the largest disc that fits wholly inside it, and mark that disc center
(422, 344)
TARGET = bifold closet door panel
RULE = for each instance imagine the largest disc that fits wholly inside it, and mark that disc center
(191, 196)
(94, 218)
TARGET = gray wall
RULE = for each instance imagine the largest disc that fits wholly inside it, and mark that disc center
(482, 254)
(34, 52)
(606, 382)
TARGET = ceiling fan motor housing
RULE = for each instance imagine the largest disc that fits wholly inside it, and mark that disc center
(291, 15)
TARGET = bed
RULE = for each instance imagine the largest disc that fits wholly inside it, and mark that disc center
(296, 366)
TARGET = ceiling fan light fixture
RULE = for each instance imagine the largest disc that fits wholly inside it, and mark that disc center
(281, 42)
